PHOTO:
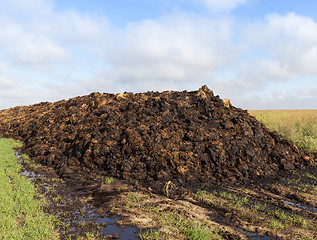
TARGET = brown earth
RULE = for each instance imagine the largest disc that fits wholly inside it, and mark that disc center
(187, 138)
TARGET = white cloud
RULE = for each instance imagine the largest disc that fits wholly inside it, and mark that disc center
(256, 74)
(257, 102)
(27, 47)
(282, 53)
(290, 39)
(175, 49)
(35, 36)
(307, 92)
(222, 5)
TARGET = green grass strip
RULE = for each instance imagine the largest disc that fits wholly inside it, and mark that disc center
(21, 214)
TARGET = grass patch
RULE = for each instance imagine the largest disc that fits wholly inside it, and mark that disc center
(290, 219)
(298, 126)
(190, 229)
(108, 180)
(176, 222)
(238, 201)
(21, 213)
(150, 234)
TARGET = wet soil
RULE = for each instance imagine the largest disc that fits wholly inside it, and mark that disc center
(75, 202)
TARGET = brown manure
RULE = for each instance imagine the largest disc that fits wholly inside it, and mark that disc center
(188, 138)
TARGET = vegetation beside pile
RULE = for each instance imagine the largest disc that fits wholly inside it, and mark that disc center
(22, 215)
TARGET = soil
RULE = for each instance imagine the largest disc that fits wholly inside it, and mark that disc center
(161, 148)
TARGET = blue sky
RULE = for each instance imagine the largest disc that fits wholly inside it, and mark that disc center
(260, 54)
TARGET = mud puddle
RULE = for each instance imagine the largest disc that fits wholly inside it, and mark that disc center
(301, 206)
(120, 210)
(76, 205)
(254, 235)
(32, 176)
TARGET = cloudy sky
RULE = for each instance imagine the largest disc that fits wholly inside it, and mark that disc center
(260, 54)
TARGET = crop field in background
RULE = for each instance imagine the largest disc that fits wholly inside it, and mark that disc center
(297, 126)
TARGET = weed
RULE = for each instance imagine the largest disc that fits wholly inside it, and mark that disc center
(310, 176)
(292, 219)
(238, 201)
(202, 195)
(275, 224)
(35, 165)
(188, 228)
(91, 236)
(257, 207)
(108, 180)
(135, 197)
(150, 234)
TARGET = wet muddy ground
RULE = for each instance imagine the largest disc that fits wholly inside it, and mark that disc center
(95, 207)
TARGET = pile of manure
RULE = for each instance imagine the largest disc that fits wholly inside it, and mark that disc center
(183, 137)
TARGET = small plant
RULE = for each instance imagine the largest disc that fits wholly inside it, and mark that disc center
(197, 232)
(135, 197)
(108, 180)
(92, 236)
(202, 195)
(292, 219)
(310, 176)
(275, 224)
(239, 201)
(257, 207)
(150, 234)
(35, 165)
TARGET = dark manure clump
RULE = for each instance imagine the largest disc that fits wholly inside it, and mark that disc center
(187, 138)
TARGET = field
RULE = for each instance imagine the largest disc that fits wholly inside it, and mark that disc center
(298, 126)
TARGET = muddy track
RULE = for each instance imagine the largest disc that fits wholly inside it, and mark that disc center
(188, 138)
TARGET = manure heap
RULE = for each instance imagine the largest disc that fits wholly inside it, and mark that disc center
(183, 137)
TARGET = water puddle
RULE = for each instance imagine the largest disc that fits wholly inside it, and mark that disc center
(32, 176)
(301, 206)
(88, 214)
(254, 235)
(126, 233)
(75, 218)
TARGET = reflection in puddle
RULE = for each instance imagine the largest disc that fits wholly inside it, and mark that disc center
(32, 176)
(126, 233)
(107, 220)
(254, 235)
(301, 206)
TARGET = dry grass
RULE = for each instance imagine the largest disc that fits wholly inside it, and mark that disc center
(298, 126)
